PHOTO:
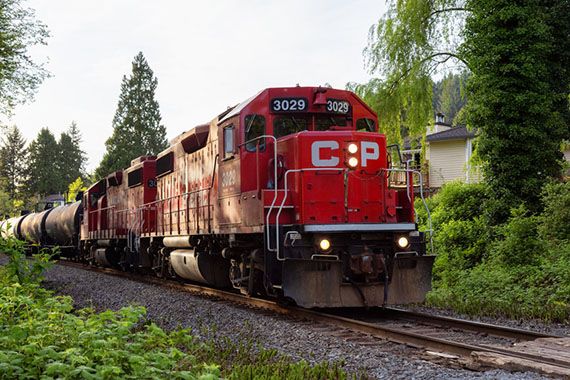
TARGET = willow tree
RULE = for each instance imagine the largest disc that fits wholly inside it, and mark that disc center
(412, 42)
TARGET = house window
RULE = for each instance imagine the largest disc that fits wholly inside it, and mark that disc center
(229, 141)
(254, 127)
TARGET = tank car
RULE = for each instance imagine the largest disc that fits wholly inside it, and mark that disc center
(54, 227)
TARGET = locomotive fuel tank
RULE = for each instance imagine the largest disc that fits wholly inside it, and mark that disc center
(200, 267)
(62, 223)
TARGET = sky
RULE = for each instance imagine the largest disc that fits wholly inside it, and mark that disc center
(206, 56)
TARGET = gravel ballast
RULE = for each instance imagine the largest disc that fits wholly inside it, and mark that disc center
(171, 308)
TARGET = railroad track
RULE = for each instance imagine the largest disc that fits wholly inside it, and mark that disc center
(454, 339)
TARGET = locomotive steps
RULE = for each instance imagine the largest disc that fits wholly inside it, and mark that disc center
(455, 342)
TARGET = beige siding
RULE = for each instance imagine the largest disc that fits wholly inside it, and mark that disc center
(446, 162)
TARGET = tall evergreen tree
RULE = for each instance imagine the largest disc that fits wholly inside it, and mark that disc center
(136, 126)
(43, 175)
(12, 160)
(71, 160)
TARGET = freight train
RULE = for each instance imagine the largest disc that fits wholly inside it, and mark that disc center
(286, 195)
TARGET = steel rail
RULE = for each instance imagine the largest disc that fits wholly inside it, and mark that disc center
(480, 327)
(372, 329)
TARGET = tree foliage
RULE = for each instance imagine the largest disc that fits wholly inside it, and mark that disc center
(74, 189)
(52, 165)
(136, 126)
(20, 76)
(43, 176)
(414, 40)
(12, 160)
(519, 57)
(72, 159)
(449, 96)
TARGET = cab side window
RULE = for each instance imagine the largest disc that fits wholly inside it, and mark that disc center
(229, 142)
(254, 127)
(365, 125)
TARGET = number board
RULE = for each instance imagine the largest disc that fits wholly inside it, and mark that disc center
(338, 106)
(289, 104)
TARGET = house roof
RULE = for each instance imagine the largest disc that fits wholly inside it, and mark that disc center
(457, 133)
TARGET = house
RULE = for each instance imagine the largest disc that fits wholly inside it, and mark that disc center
(448, 154)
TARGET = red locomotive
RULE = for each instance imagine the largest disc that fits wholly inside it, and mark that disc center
(287, 195)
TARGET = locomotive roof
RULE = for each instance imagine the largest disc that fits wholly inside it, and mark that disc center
(237, 109)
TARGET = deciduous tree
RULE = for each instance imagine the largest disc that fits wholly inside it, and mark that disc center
(518, 54)
(136, 126)
(20, 76)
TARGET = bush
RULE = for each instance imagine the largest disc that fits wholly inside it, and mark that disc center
(555, 219)
(518, 269)
(460, 245)
(19, 268)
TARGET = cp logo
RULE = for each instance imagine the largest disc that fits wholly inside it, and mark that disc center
(326, 153)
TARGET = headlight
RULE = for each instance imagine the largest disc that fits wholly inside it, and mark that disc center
(353, 162)
(403, 242)
(324, 245)
(352, 148)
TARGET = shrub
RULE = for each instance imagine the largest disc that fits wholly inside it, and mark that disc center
(555, 219)
(19, 268)
(518, 269)
(518, 242)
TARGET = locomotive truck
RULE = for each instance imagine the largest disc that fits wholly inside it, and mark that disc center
(286, 195)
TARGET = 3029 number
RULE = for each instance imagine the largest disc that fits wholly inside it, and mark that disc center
(337, 106)
(289, 104)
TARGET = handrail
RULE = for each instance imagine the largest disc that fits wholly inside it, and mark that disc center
(419, 173)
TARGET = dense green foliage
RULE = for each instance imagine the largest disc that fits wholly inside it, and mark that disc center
(518, 91)
(449, 97)
(518, 56)
(518, 269)
(414, 40)
(136, 126)
(52, 165)
(43, 336)
(20, 76)
(43, 171)
(72, 159)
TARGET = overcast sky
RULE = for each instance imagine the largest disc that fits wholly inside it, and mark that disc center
(206, 57)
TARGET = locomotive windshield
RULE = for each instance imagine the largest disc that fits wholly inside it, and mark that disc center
(284, 125)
